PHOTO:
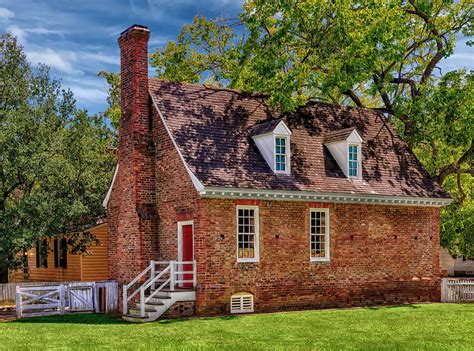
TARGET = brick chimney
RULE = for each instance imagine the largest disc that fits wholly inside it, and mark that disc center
(131, 207)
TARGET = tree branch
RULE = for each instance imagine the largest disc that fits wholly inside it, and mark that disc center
(410, 82)
(455, 167)
(350, 93)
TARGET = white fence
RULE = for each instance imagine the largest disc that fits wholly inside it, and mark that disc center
(7, 291)
(65, 298)
(457, 290)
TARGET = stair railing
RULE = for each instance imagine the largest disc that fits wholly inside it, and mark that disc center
(127, 298)
(175, 275)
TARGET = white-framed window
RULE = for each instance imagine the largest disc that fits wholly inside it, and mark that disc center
(353, 153)
(281, 154)
(319, 234)
(247, 234)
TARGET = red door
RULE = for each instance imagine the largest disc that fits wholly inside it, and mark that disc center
(187, 254)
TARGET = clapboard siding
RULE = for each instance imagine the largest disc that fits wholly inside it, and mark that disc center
(87, 267)
(96, 265)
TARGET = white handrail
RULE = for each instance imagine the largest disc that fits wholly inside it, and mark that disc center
(174, 278)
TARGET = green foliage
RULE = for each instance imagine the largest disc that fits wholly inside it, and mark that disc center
(382, 55)
(113, 111)
(54, 163)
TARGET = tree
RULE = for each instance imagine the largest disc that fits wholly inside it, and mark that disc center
(374, 54)
(113, 99)
(54, 163)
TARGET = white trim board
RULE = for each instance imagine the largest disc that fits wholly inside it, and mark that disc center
(181, 224)
(288, 195)
(109, 192)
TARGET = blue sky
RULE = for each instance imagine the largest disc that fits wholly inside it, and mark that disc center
(77, 39)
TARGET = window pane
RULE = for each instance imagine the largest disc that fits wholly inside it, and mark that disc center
(280, 154)
(246, 233)
(318, 234)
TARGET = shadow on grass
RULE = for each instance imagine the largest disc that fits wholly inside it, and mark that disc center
(407, 305)
(73, 319)
(180, 320)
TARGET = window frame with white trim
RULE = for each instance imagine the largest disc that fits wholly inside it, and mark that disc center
(279, 155)
(351, 162)
(240, 231)
(314, 234)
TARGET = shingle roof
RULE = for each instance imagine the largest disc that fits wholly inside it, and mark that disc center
(338, 135)
(213, 129)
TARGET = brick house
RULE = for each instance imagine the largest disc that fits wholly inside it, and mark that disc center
(318, 208)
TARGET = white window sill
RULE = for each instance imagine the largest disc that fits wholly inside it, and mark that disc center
(319, 259)
(248, 260)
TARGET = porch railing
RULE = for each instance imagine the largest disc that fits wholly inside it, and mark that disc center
(156, 277)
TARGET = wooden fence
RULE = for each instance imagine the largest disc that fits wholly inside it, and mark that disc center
(457, 290)
(48, 299)
(7, 291)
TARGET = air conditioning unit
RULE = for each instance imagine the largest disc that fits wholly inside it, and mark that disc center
(241, 302)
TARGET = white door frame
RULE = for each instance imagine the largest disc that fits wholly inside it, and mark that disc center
(181, 224)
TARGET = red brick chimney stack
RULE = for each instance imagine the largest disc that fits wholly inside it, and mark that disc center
(133, 44)
(131, 208)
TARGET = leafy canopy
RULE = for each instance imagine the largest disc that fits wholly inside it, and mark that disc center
(382, 55)
(54, 163)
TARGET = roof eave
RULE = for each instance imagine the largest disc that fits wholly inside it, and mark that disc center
(292, 195)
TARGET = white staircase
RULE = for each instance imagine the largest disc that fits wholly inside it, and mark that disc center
(160, 286)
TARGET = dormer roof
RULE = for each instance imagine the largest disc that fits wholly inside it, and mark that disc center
(213, 129)
(341, 135)
(275, 126)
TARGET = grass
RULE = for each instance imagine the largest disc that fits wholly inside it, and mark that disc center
(424, 326)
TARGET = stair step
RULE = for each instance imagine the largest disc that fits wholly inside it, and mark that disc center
(137, 310)
(154, 304)
(161, 297)
(135, 316)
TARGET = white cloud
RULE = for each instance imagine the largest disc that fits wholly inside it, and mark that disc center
(6, 14)
(42, 30)
(60, 60)
(110, 59)
(90, 95)
(19, 33)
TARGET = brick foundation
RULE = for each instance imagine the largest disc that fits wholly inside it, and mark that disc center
(180, 309)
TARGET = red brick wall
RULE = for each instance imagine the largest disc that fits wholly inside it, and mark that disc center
(379, 254)
(177, 198)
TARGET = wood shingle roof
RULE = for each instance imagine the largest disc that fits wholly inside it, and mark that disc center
(213, 128)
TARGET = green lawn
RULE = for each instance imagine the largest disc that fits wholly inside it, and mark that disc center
(430, 327)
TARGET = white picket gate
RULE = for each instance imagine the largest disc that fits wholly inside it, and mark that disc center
(65, 298)
(81, 297)
(40, 300)
(457, 290)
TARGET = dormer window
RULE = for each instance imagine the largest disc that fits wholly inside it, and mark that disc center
(345, 146)
(280, 154)
(353, 160)
(273, 141)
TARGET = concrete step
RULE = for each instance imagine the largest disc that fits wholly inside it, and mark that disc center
(135, 319)
(148, 312)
